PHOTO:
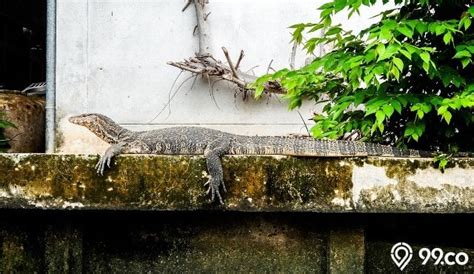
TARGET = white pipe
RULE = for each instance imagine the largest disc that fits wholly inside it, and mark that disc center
(50, 76)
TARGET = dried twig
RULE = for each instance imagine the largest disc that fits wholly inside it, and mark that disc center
(206, 65)
(241, 56)
(187, 5)
(229, 61)
(269, 66)
(304, 122)
(168, 104)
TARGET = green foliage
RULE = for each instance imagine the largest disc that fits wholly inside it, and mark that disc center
(407, 80)
(441, 161)
(4, 124)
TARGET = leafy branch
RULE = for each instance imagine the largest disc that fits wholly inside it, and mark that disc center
(406, 77)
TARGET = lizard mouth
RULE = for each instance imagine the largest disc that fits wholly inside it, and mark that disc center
(73, 119)
(78, 119)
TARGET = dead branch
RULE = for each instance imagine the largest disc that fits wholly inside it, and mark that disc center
(206, 65)
(187, 5)
(201, 15)
(269, 66)
(229, 61)
(241, 56)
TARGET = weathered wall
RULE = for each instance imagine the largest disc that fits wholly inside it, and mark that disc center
(151, 213)
(111, 58)
(253, 183)
(203, 241)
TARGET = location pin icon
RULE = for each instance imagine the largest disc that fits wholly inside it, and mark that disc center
(401, 254)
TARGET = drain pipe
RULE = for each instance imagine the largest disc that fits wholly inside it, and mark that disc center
(50, 76)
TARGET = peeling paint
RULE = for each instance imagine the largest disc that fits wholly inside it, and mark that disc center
(369, 177)
(430, 177)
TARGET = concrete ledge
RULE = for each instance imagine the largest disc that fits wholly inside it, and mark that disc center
(262, 183)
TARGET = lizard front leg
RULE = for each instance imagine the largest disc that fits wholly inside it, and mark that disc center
(213, 152)
(105, 159)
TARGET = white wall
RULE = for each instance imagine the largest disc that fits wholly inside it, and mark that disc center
(111, 59)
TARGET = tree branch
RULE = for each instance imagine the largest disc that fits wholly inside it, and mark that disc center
(229, 61)
(206, 65)
(241, 56)
(201, 15)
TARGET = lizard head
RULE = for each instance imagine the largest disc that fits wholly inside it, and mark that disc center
(88, 120)
(101, 125)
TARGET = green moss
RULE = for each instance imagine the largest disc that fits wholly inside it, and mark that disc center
(16, 252)
(254, 183)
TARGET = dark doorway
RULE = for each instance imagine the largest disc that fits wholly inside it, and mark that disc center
(22, 43)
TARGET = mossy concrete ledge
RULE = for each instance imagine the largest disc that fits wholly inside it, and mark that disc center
(254, 183)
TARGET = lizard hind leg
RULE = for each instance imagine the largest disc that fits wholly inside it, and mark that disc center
(213, 152)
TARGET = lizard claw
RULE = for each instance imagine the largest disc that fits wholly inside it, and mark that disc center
(103, 161)
(213, 189)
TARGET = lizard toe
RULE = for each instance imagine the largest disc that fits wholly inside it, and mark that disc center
(223, 186)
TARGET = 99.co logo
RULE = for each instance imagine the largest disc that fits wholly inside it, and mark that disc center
(439, 257)
(402, 254)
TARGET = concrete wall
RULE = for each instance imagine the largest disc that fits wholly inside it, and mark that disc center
(151, 214)
(253, 183)
(111, 59)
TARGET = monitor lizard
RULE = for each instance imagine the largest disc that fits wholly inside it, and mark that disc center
(214, 143)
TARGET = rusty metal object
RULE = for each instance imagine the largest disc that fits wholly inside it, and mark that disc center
(28, 115)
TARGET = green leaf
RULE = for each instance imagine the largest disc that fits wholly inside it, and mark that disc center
(328, 5)
(398, 62)
(388, 110)
(467, 23)
(465, 62)
(385, 34)
(402, 100)
(340, 5)
(405, 53)
(425, 56)
(333, 30)
(380, 115)
(442, 110)
(471, 10)
(405, 30)
(440, 29)
(380, 49)
(448, 37)
(396, 106)
(420, 114)
(447, 116)
(421, 27)
(426, 67)
(381, 127)
(395, 72)
(316, 27)
(409, 131)
(388, 52)
(461, 54)
(369, 56)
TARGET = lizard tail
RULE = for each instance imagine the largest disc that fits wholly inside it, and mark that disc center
(307, 146)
